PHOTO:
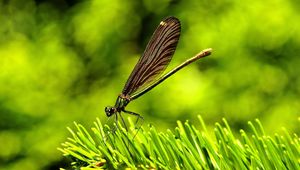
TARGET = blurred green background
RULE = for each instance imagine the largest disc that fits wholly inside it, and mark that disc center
(64, 61)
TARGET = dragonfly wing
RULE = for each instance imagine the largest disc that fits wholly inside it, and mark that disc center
(156, 57)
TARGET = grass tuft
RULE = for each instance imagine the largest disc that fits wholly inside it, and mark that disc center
(186, 148)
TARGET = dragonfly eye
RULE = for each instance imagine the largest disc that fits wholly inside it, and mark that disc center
(109, 111)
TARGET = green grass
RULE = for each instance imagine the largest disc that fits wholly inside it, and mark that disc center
(187, 147)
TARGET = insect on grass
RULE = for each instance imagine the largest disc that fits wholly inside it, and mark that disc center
(147, 72)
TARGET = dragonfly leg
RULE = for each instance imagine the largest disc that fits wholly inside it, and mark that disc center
(135, 114)
(113, 130)
(116, 122)
(123, 121)
(137, 120)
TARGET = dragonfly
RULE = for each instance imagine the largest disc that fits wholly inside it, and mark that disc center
(147, 73)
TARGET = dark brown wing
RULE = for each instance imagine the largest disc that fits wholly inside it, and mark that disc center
(156, 57)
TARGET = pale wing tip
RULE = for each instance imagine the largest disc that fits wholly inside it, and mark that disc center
(170, 20)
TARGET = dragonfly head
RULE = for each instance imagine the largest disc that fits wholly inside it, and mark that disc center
(110, 111)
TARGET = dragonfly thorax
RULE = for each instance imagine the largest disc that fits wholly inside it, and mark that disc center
(122, 101)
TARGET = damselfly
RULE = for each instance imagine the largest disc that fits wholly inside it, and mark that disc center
(147, 72)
